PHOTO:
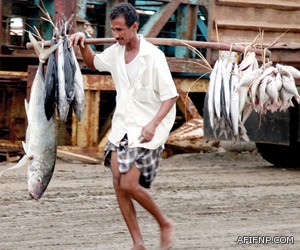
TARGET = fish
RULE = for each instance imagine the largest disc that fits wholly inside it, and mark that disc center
(63, 105)
(294, 72)
(69, 70)
(78, 102)
(249, 62)
(234, 101)
(247, 79)
(40, 140)
(262, 97)
(217, 91)
(211, 88)
(226, 79)
(51, 82)
(273, 93)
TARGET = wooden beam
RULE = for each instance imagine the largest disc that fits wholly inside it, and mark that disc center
(171, 42)
(156, 22)
(256, 25)
(77, 157)
(265, 4)
(190, 2)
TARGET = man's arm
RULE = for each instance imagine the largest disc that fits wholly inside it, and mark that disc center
(149, 130)
(86, 51)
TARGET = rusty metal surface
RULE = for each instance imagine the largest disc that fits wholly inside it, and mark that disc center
(156, 22)
(98, 82)
(185, 104)
(191, 84)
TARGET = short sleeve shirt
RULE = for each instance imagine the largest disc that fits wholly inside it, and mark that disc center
(138, 102)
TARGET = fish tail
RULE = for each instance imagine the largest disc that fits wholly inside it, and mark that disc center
(43, 54)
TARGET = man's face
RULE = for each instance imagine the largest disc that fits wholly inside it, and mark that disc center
(121, 32)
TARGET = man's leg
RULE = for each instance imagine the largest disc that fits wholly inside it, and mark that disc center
(126, 206)
(130, 183)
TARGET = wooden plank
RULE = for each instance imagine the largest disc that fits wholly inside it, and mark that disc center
(191, 2)
(85, 133)
(196, 66)
(266, 4)
(77, 157)
(21, 76)
(256, 25)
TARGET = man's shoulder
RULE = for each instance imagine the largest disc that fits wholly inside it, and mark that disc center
(151, 49)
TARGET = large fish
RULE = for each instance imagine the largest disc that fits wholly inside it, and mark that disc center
(40, 146)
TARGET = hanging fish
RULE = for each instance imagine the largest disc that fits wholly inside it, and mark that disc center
(63, 106)
(40, 145)
(51, 82)
(78, 102)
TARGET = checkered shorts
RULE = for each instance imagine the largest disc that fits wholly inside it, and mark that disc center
(146, 160)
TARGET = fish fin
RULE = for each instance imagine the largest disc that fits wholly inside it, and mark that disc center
(43, 54)
(22, 163)
(46, 53)
(38, 49)
(26, 104)
(24, 147)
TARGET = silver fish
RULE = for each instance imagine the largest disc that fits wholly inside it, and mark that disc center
(211, 90)
(40, 146)
(63, 105)
(78, 102)
(217, 92)
(234, 101)
(69, 69)
(51, 84)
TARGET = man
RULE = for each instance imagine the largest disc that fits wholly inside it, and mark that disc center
(144, 115)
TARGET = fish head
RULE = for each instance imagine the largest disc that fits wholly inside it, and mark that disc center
(39, 176)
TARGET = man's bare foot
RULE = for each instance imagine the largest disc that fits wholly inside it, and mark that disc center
(166, 237)
(139, 247)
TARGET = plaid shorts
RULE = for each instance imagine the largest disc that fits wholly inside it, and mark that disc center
(146, 160)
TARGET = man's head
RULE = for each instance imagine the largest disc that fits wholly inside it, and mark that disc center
(127, 11)
(124, 22)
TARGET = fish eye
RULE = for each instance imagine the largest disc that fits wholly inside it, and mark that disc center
(39, 179)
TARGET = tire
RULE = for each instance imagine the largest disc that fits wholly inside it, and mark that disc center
(280, 155)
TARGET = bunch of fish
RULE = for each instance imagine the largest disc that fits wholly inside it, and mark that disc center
(60, 87)
(64, 83)
(237, 90)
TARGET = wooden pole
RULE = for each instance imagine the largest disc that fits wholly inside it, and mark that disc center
(176, 42)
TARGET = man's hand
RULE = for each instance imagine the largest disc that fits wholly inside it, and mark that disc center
(147, 133)
(77, 39)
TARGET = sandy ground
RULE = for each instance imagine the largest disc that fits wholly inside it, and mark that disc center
(213, 198)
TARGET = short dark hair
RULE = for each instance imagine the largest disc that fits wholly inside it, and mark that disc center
(127, 11)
